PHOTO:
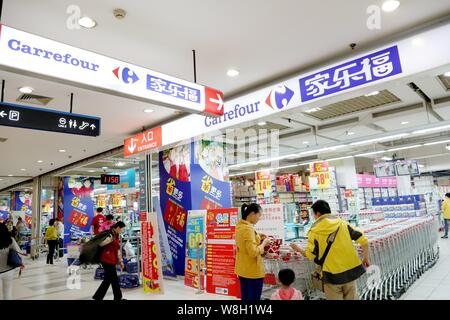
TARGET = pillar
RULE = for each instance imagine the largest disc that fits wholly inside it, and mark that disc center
(36, 217)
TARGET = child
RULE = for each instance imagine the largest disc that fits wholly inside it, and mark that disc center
(287, 277)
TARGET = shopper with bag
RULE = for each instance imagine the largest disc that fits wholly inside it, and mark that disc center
(51, 238)
(446, 214)
(110, 256)
(109, 222)
(98, 220)
(330, 244)
(9, 260)
(249, 250)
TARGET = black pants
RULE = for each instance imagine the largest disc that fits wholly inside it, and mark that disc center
(110, 279)
(51, 250)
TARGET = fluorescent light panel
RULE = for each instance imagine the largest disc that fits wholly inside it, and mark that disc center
(396, 136)
(431, 129)
(436, 142)
(404, 148)
(370, 153)
(340, 158)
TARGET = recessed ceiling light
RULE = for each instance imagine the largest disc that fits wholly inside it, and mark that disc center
(62, 150)
(87, 22)
(262, 123)
(232, 73)
(91, 171)
(23, 169)
(305, 142)
(386, 158)
(39, 161)
(350, 133)
(26, 89)
(10, 175)
(404, 122)
(148, 110)
(120, 164)
(447, 74)
(105, 168)
(421, 166)
(417, 42)
(390, 5)
(373, 93)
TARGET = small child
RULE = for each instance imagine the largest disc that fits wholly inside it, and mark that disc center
(286, 277)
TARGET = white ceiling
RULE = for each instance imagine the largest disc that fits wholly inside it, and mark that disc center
(262, 39)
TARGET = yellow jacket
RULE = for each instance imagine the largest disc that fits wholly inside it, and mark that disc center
(446, 208)
(342, 263)
(249, 261)
(51, 233)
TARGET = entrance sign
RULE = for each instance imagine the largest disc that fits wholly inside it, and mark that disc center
(142, 142)
(13, 115)
(27, 53)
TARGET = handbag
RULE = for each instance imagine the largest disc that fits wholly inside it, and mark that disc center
(14, 260)
(316, 278)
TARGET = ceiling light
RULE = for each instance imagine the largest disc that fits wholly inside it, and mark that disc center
(447, 147)
(404, 148)
(350, 133)
(305, 142)
(148, 110)
(10, 175)
(386, 158)
(313, 110)
(447, 74)
(26, 89)
(262, 123)
(232, 73)
(421, 166)
(87, 22)
(417, 42)
(40, 161)
(23, 169)
(105, 168)
(431, 129)
(91, 171)
(404, 122)
(120, 164)
(379, 139)
(390, 5)
(373, 93)
(370, 153)
(340, 158)
(436, 142)
(62, 150)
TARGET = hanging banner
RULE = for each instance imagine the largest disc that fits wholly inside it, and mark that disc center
(175, 199)
(195, 249)
(220, 252)
(22, 202)
(151, 255)
(209, 176)
(263, 181)
(78, 206)
(271, 222)
(320, 171)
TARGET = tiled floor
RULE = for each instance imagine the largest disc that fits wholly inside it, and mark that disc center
(39, 281)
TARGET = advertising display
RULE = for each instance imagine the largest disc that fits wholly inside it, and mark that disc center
(22, 202)
(175, 199)
(195, 249)
(370, 181)
(127, 180)
(320, 171)
(78, 206)
(407, 167)
(384, 169)
(271, 222)
(220, 252)
(263, 181)
(151, 255)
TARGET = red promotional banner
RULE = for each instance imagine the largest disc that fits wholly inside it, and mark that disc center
(319, 167)
(142, 142)
(152, 276)
(220, 252)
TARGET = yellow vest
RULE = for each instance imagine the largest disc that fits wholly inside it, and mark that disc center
(249, 261)
(51, 233)
(446, 208)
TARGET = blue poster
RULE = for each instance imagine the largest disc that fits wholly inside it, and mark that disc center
(3, 215)
(209, 173)
(127, 180)
(22, 202)
(78, 206)
(175, 199)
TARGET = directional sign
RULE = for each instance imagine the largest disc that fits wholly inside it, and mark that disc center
(13, 115)
(27, 53)
(142, 142)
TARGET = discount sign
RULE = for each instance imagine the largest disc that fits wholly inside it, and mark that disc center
(263, 181)
(321, 172)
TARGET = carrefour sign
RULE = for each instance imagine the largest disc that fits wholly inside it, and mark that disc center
(28, 53)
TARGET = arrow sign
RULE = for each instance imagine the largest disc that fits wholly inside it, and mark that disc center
(140, 142)
(214, 103)
(132, 146)
(3, 114)
(93, 126)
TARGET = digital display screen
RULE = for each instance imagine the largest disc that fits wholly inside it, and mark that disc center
(110, 179)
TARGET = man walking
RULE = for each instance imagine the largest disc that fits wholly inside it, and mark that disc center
(330, 244)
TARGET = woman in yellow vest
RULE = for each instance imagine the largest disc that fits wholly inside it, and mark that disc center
(51, 238)
(249, 250)
(446, 214)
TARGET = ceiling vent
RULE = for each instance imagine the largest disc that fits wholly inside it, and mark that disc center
(34, 99)
(353, 105)
(445, 81)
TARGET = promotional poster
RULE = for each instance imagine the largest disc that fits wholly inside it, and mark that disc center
(271, 222)
(127, 180)
(22, 202)
(151, 254)
(78, 206)
(195, 249)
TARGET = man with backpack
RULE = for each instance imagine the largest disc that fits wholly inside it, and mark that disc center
(330, 244)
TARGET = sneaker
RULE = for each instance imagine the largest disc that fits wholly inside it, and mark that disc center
(444, 237)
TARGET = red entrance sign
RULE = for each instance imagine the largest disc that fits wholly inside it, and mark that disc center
(220, 252)
(142, 142)
(214, 103)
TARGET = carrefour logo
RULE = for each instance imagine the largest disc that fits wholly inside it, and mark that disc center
(127, 75)
(279, 97)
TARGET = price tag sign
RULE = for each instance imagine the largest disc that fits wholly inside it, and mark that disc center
(320, 172)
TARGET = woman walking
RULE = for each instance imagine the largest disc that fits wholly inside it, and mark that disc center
(51, 237)
(249, 261)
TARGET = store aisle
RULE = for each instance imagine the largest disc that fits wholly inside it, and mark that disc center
(435, 283)
(42, 282)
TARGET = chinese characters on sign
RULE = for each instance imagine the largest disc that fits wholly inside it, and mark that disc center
(210, 189)
(263, 181)
(271, 222)
(151, 255)
(320, 172)
(372, 67)
(172, 89)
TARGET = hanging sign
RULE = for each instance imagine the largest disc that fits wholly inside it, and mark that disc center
(13, 115)
(271, 222)
(27, 53)
(320, 171)
(143, 142)
(263, 181)
(151, 255)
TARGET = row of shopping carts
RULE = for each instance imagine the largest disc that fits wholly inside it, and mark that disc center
(401, 250)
